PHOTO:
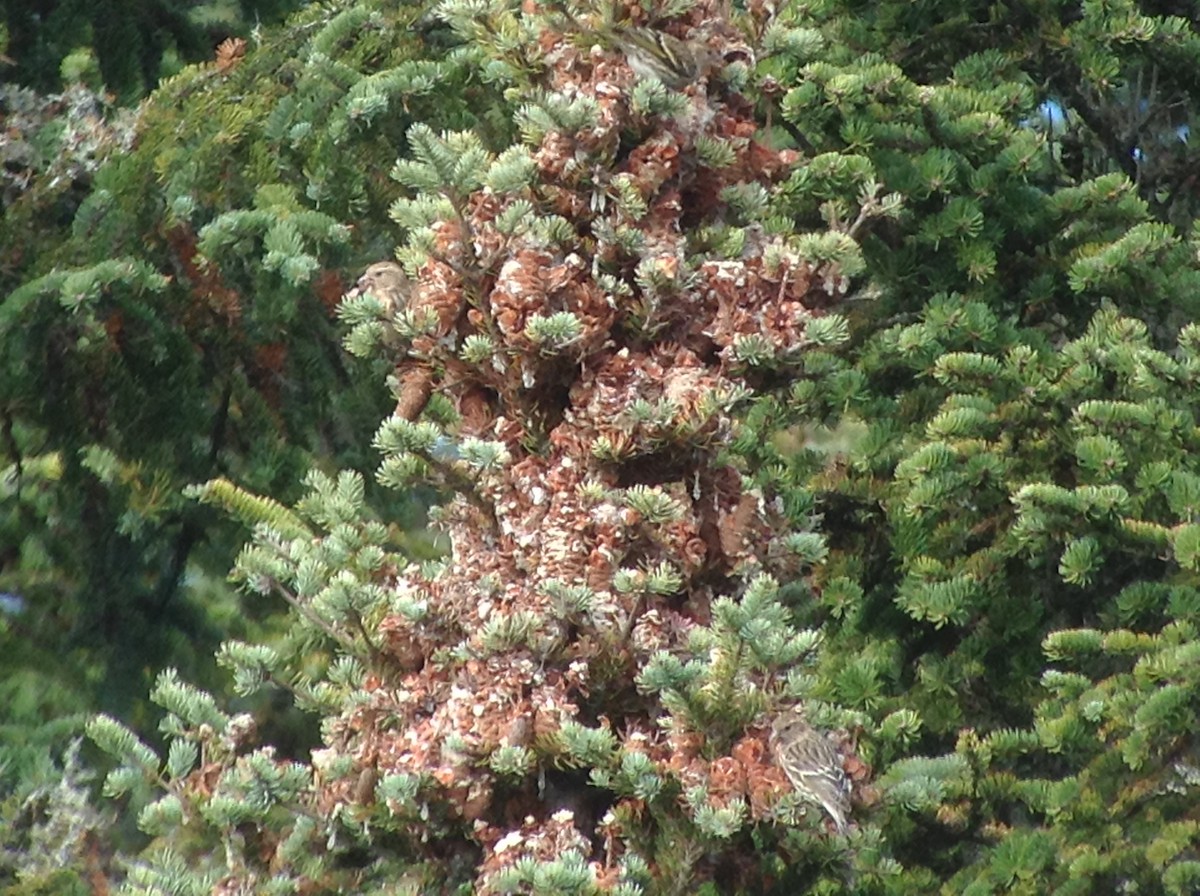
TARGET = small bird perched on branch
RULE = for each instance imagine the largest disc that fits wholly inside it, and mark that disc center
(387, 282)
(649, 50)
(655, 54)
(812, 763)
(392, 288)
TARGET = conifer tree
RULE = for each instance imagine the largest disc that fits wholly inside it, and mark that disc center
(731, 427)
(1003, 451)
(580, 697)
(128, 45)
(169, 281)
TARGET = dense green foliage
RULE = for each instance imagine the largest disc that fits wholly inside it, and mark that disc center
(158, 339)
(979, 480)
(124, 45)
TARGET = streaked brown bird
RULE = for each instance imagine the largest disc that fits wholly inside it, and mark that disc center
(387, 282)
(810, 759)
(655, 54)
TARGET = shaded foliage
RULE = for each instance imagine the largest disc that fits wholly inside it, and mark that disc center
(155, 340)
(976, 465)
(128, 45)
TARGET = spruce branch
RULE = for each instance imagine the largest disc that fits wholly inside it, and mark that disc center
(344, 641)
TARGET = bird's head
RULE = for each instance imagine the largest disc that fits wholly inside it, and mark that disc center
(789, 720)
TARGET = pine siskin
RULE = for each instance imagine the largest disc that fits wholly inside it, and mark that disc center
(655, 54)
(364, 787)
(387, 282)
(812, 763)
